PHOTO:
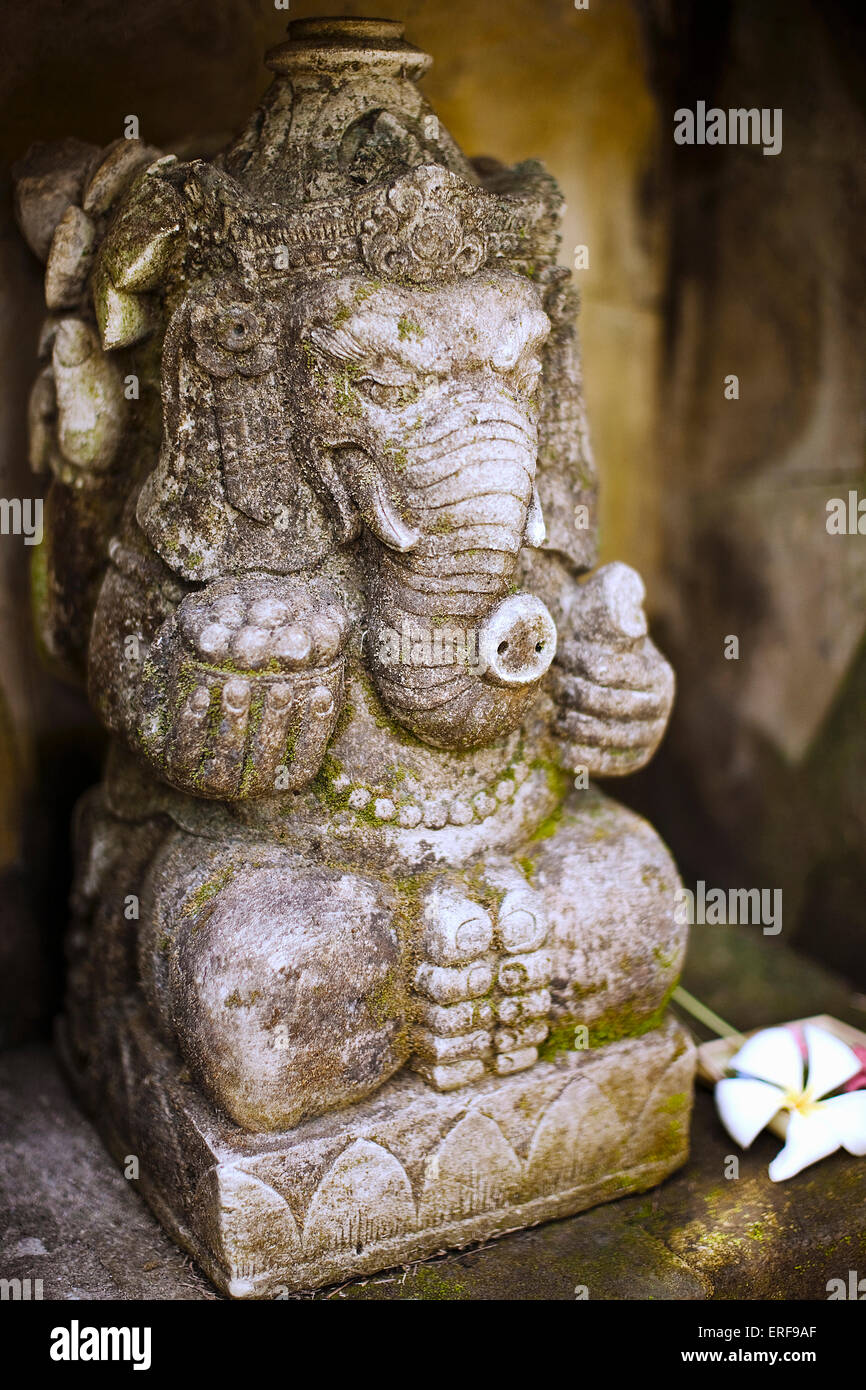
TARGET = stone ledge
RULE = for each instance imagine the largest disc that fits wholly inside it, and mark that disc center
(696, 1237)
(403, 1175)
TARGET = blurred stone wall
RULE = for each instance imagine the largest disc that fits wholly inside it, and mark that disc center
(762, 781)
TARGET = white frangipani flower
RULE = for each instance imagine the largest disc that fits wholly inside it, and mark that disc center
(772, 1079)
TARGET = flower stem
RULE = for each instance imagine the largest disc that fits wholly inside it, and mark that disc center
(703, 1014)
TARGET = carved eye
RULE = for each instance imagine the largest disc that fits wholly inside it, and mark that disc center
(387, 395)
(526, 377)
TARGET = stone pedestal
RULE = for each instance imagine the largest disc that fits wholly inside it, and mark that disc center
(403, 1175)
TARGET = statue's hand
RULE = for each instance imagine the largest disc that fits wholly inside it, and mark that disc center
(612, 686)
(255, 685)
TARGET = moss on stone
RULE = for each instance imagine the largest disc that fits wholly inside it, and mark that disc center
(666, 959)
(628, 1021)
(559, 1039)
(208, 890)
(39, 593)
(675, 1104)
(432, 1287)
(257, 705)
(387, 1000)
(558, 785)
(527, 865)
(379, 714)
(488, 895)
(346, 400)
(547, 828)
(235, 1000)
(323, 788)
(363, 292)
(396, 454)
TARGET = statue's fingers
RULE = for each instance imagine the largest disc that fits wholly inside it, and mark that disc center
(317, 723)
(605, 762)
(614, 702)
(188, 735)
(638, 669)
(223, 769)
(91, 409)
(267, 752)
(625, 734)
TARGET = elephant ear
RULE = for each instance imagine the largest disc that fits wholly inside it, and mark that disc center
(230, 490)
(86, 403)
(566, 478)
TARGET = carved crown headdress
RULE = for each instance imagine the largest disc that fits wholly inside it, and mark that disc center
(344, 164)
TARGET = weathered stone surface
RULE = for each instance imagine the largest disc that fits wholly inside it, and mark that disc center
(73, 1221)
(304, 424)
(697, 1236)
(47, 183)
(406, 1172)
(70, 1216)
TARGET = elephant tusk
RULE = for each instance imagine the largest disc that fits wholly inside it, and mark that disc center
(369, 492)
(535, 531)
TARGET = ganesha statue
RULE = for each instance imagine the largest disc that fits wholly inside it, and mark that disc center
(362, 965)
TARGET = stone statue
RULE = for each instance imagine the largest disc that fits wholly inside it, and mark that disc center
(361, 966)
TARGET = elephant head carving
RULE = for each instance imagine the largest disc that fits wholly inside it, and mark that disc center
(355, 407)
(365, 352)
(430, 430)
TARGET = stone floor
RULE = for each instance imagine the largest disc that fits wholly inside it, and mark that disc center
(72, 1220)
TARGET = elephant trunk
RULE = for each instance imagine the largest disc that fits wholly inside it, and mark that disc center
(456, 655)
